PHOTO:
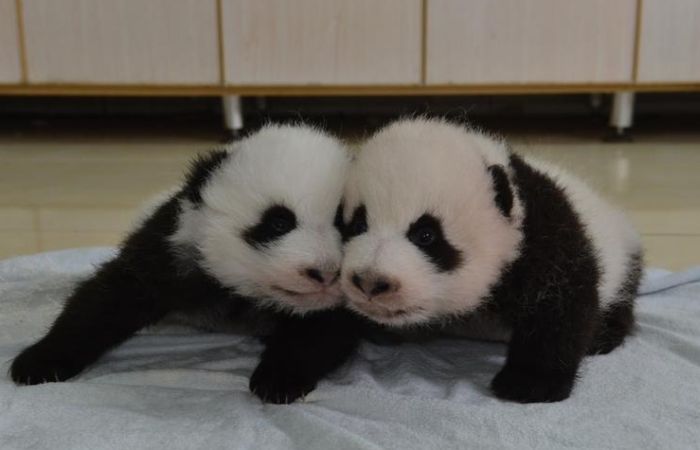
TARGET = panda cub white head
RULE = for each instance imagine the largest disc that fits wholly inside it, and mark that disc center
(431, 222)
(263, 220)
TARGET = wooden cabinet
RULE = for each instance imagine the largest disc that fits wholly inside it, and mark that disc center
(282, 42)
(669, 47)
(10, 68)
(122, 41)
(270, 47)
(533, 41)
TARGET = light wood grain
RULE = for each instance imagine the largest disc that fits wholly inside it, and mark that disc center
(533, 41)
(322, 41)
(10, 68)
(122, 41)
(669, 49)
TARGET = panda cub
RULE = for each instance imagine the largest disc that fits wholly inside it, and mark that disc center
(445, 224)
(251, 231)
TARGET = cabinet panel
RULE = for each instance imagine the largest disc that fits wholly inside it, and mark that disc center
(533, 41)
(10, 69)
(122, 41)
(669, 47)
(322, 41)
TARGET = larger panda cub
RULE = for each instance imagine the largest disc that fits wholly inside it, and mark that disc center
(250, 231)
(444, 223)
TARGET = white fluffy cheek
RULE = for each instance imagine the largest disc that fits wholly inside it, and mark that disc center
(491, 245)
(415, 275)
(230, 259)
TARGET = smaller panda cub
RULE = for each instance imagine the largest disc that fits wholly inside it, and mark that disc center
(445, 225)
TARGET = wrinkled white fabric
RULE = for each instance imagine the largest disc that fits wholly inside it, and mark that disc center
(178, 389)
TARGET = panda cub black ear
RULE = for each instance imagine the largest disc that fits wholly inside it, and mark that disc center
(200, 171)
(502, 187)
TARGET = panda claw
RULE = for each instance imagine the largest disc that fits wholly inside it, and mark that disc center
(40, 364)
(276, 385)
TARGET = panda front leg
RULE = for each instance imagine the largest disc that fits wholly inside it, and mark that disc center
(302, 351)
(102, 312)
(546, 348)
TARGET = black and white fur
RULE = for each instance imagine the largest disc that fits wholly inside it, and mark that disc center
(252, 232)
(446, 224)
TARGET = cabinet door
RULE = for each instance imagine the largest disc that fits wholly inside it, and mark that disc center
(669, 47)
(282, 42)
(122, 41)
(532, 41)
(10, 71)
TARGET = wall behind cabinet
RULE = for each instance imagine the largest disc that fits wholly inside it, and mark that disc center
(122, 41)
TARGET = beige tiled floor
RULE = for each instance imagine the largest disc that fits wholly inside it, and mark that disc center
(655, 181)
(84, 191)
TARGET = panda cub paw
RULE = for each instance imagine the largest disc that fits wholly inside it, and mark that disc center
(40, 364)
(527, 386)
(273, 383)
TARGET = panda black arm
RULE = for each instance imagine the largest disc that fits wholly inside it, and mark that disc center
(134, 290)
(302, 351)
(548, 295)
(546, 347)
(102, 312)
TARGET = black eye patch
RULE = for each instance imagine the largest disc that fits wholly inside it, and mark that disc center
(357, 225)
(426, 234)
(274, 223)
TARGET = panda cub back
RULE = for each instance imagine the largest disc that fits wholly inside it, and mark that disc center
(616, 243)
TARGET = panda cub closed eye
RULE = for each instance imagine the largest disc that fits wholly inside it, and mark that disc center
(275, 222)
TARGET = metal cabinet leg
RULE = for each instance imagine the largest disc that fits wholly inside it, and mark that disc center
(233, 114)
(622, 114)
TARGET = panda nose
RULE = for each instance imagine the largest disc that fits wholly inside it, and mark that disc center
(373, 285)
(323, 277)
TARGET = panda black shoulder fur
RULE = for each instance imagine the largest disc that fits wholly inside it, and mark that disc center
(445, 223)
(253, 227)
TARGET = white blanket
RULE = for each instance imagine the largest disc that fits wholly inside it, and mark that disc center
(171, 388)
